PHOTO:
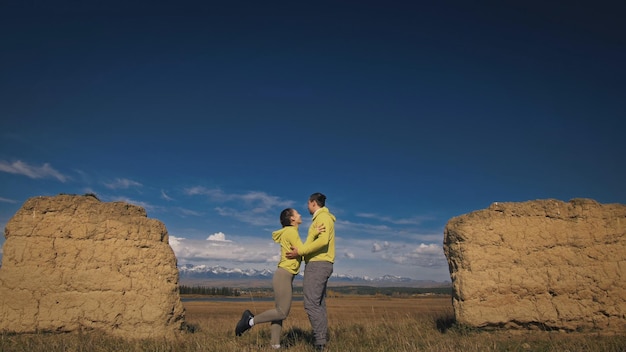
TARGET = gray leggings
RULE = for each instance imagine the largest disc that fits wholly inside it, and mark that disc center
(282, 281)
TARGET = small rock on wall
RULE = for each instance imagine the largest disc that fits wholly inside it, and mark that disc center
(76, 263)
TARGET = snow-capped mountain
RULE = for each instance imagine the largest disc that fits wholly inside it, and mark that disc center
(220, 272)
(199, 272)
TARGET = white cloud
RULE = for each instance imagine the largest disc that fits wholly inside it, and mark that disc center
(376, 247)
(428, 249)
(218, 237)
(21, 168)
(216, 249)
(122, 183)
(175, 242)
(424, 255)
(396, 253)
(421, 261)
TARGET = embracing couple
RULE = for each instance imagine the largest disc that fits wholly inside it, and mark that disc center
(318, 252)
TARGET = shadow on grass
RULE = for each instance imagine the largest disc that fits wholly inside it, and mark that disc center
(445, 323)
(296, 335)
(190, 328)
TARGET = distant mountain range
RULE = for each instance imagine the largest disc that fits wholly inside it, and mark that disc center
(190, 273)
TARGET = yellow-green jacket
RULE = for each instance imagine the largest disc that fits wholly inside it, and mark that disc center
(287, 237)
(320, 246)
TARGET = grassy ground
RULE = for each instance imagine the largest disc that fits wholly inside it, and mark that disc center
(356, 323)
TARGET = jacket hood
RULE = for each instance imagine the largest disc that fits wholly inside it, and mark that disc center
(325, 210)
(276, 235)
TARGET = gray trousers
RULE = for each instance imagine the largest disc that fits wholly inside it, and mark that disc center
(283, 289)
(316, 276)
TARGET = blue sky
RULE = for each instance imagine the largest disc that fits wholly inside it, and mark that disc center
(215, 117)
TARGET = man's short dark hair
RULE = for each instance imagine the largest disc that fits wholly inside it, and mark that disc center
(318, 198)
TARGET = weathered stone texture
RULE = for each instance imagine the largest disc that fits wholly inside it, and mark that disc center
(542, 264)
(76, 263)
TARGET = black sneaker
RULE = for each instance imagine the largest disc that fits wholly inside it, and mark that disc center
(244, 323)
(319, 347)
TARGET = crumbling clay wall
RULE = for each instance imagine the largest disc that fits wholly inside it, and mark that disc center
(76, 263)
(543, 264)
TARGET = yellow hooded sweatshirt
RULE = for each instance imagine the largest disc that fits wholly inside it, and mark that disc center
(320, 246)
(287, 237)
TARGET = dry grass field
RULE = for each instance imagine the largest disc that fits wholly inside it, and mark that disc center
(356, 323)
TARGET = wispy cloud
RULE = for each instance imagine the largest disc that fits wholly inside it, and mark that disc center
(165, 196)
(381, 231)
(248, 216)
(122, 183)
(21, 168)
(251, 207)
(199, 190)
(260, 200)
(189, 212)
(416, 220)
(6, 200)
(147, 206)
(356, 227)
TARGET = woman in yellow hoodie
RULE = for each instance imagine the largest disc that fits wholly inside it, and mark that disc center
(282, 282)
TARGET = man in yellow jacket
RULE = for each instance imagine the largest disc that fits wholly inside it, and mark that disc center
(319, 255)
